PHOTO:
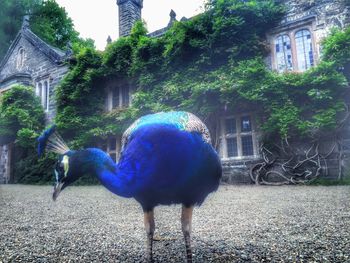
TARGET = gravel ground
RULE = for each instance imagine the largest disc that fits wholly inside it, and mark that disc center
(236, 224)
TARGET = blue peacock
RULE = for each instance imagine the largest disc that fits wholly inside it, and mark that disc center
(166, 158)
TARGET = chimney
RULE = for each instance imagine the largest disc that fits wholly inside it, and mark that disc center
(129, 13)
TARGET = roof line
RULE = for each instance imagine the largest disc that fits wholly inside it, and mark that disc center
(54, 54)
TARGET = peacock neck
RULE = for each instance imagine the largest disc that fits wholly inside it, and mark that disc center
(106, 170)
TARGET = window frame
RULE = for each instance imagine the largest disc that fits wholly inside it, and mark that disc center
(114, 150)
(284, 53)
(312, 63)
(121, 102)
(43, 92)
(238, 135)
(291, 33)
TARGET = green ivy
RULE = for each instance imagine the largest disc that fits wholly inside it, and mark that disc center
(212, 64)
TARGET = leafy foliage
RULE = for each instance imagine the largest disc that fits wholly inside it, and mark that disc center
(210, 65)
(22, 116)
(51, 22)
(11, 15)
(47, 19)
(21, 120)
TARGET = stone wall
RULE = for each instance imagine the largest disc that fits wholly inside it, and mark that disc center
(328, 14)
(37, 66)
(320, 17)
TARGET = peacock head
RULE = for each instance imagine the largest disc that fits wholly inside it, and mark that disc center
(65, 169)
(63, 173)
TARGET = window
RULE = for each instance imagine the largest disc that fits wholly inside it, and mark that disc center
(43, 91)
(238, 137)
(115, 98)
(230, 126)
(20, 58)
(247, 145)
(125, 96)
(293, 50)
(304, 51)
(246, 125)
(118, 97)
(283, 53)
(113, 148)
(232, 147)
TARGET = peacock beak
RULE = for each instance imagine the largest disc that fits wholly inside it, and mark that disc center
(57, 190)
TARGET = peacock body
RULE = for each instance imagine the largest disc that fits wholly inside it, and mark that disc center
(166, 159)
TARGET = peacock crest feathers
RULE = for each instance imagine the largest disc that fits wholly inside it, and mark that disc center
(182, 120)
(51, 141)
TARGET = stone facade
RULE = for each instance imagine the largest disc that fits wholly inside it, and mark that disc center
(31, 62)
(319, 18)
(239, 150)
(129, 13)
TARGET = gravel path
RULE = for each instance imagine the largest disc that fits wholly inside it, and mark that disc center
(236, 224)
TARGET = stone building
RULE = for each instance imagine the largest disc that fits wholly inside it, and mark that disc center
(31, 62)
(295, 46)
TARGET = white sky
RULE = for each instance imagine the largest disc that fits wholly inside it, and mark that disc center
(97, 19)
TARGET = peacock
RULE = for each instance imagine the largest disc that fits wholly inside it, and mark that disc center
(166, 158)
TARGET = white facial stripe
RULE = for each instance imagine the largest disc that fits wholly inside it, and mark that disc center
(65, 163)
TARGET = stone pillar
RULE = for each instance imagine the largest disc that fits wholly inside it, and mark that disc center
(4, 164)
(129, 13)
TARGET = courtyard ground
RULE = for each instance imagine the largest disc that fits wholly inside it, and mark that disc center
(235, 224)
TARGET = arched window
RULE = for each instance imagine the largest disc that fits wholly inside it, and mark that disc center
(283, 53)
(46, 96)
(20, 58)
(304, 50)
(39, 88)
(43, 91)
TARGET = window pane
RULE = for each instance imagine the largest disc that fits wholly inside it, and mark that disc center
(304, 49)
(230, 125)
(40, 87)
(115, 98)
(231, 147)
(112, 144)
(46, 97)
(283, 53)
(125, 96)
(246, 125)
(247, 145)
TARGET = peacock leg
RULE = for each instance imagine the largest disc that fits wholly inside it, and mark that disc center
(149, 226)
(186, 223)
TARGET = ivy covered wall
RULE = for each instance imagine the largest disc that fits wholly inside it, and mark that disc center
(211, 65)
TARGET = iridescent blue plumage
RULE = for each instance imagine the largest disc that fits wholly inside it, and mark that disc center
(162, 164)
(166, 159)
